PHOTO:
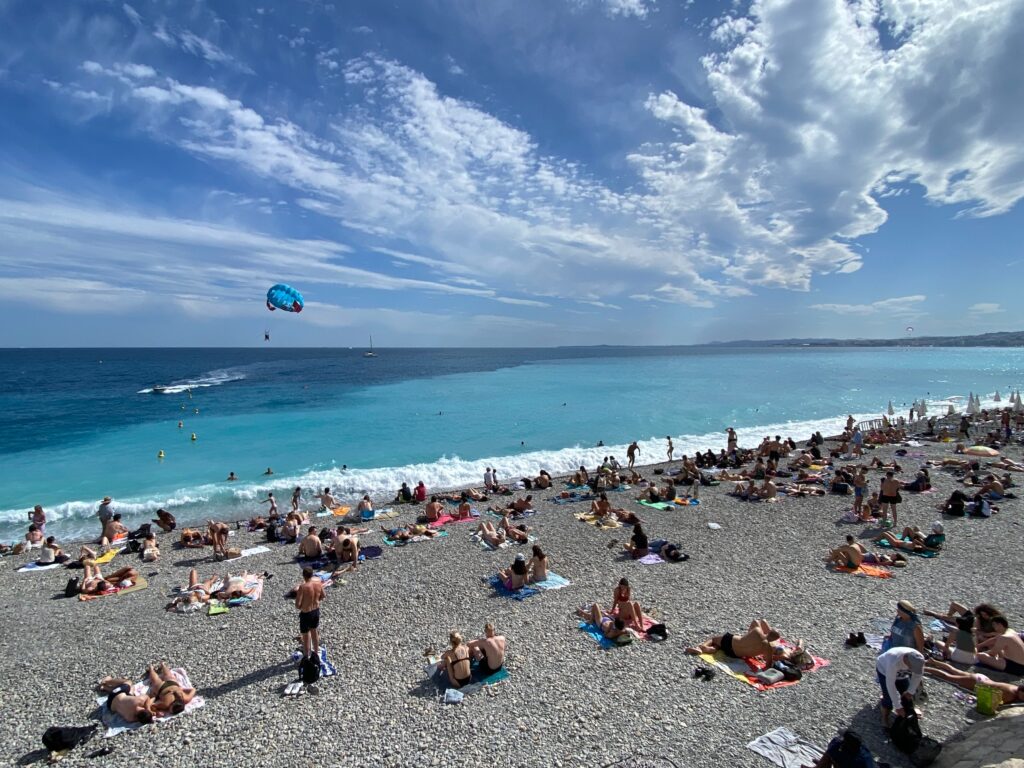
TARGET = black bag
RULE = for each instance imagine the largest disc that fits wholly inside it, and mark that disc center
(905, 733)
(309, 669)
(72, 587)
(57, 738)
(841, 489)
(926, 753)
(134, 545)
(657, 632)
(272, 533)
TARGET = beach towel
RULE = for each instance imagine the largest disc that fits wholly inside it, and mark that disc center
(370, 553)
(663, 506)
(786, 749)
(595, 634)
(257, 586)
(651, 559)
(873, 571)
(489, 547)
(439, 676)
(686, 502)
(553, 581)
(37, 567)
(573, 498)
(107, 556)
(447, 519)
(745, 669)
(413, 540)
(884, 543)
(215, 608)
(327, 668)
(340, 511)
(116, 724)
(140, 583)
(250, 551)
(597, 522)
(515, 594)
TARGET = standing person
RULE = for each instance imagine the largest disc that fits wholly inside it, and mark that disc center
(489, 481)
(731, 440)
(631, 453)
(105, 513)
(296, 498)
(38, 518)
(965, 428)
(308, 596)
(858, 442)
(889, 497)
(860, 487)
(671, 448)
(273, 504)
(891, 669)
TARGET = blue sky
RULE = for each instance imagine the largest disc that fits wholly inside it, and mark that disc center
(508, 172)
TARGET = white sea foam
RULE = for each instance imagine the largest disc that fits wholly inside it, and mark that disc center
(210, 379)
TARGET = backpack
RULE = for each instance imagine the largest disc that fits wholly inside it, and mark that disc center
(72, 587)
(905, 733)
(134, 545)
(309, 669)
(272, 533)
(657, 632)
(58, 738)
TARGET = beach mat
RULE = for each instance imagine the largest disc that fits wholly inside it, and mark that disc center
(140, 583)
(248, 552)
(598, 522)
(36, 567)
(553, 581)
(572, 499)
(446, 519)
(594, 633)
(867, 570)
(651, 559)
(436, 672)
(115, 724)
(785, 749)
(663, 506)
(884, 543)
(744, 669)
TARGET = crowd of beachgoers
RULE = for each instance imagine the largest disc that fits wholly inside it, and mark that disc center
(629, 611)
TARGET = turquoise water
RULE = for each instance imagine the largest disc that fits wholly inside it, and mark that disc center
(79, 429)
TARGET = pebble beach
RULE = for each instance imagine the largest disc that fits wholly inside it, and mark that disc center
(566, 701)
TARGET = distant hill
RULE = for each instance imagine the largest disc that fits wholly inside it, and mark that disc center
(1000, 339)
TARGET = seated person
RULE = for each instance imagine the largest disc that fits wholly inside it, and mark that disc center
(150, 550)
(759, 640)
(612, 627)
(258, 523)
(311, 548)
(420, 492)
(960, 646)
(289, 530)
(489, 650)
(346, 548)
(580, 477)
(1011, 692)
(602, 508)
(113, 530)
(849, 555)
(327, 500)
(120, 701)
(538, 565)
(404, 495)
(457, 661)
(465, 510)
(1004, 650)
(519, 506)
(165, 520)
(637, 546)
(915, 540)
(169, 697)
(922, 482)
(992, 488)
(364, 505)
(192, 538)
(515, 577)
(34, 538)
(745, 490)
(846, 751)
(51, 553)
(652, 494)
(542, 481)
(955, 505)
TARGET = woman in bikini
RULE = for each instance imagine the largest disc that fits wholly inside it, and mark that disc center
(457, 662)
(168, 696)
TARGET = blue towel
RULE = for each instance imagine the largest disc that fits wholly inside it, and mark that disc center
(553, 581)
(518, 594)
(595, 633)
(370, 553)
(326, 667)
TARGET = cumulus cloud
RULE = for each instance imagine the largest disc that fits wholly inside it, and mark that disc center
(900, 305)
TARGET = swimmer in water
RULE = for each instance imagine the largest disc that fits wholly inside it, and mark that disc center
(160, 454)
(196, 410)
(269, 471)
(194, 438)
(232, 476)
(181, 424)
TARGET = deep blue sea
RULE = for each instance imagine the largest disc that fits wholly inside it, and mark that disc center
(82, 424)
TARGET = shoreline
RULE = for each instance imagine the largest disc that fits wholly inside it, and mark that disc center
(563, 691)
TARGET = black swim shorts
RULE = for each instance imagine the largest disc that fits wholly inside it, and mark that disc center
(727, 645)
(309, 620)
(123, 688)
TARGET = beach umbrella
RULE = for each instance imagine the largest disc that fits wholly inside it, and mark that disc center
(997, 398)
(891, 411)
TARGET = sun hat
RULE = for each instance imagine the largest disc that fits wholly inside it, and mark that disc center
(907, 607)
(106, 499)
(937, 527)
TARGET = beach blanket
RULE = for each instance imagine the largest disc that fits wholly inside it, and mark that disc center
(257, 586)
(745, 669)
(515, 594)
(884, 543)
(413, 540)
(140, 583)
(116, 724)
(250, 551)
(865, 569)
(340, 511)
(553, 581)
(663, 506)
(370, 553)
(447, 519)
(439, 676)
(37, 567)
(598, 522)
(786, 749)
(107, 556)
(572, 499)
(595, 634)
(651, 559)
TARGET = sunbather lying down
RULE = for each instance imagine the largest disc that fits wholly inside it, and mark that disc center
(612, 627)
(852, 554)
(495, 536)
(406, 532)
(1012, 693)
(759, 640)
(167, 697)
(95, 583)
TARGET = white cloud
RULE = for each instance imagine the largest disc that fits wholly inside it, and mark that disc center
(899, 306)
(626, 8)
(985, 308)
(132, 15)
(453, 67)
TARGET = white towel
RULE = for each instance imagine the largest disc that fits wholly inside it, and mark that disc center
(786, 749)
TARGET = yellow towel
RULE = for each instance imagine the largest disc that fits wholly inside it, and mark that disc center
(592, 520)
(340, 511)
(107, 556)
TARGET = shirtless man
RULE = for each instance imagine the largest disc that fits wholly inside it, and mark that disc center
(768, 490)
(521, 505)
(758, 641)
(120, 701)
(889, 496)
(849, 555)
(311, 548)
(308, 596)
(991, 487)
(364, 505)
(112, 530)
(631, 453)
(433, 510)
(1011, 693)
(489, 650)
(327, 501)
(1004, 651)
(346, 547)
(218, 533)
(272, 502)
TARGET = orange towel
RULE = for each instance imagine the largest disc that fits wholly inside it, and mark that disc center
(874, 571)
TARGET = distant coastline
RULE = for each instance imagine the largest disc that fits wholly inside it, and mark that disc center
(999, 339)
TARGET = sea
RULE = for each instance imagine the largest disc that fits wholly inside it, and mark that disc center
(87, 423)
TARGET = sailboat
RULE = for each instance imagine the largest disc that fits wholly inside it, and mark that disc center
(370, 352)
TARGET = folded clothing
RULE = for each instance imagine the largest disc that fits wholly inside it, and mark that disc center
(663, 506)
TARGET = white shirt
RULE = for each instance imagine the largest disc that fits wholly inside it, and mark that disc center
(488, 478)
(890, 664)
